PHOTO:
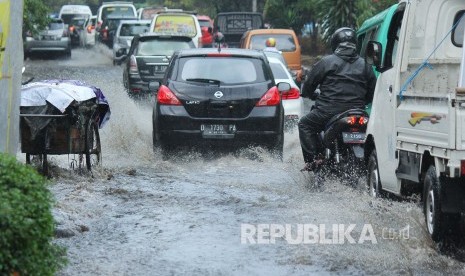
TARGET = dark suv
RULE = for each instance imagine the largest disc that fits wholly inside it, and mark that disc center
(227, 97)
(148, 59)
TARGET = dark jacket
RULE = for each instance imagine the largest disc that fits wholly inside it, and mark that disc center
(345, 80)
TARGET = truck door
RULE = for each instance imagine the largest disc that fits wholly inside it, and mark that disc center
(382, 118)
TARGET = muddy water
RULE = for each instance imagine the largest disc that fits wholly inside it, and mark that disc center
(142, 215)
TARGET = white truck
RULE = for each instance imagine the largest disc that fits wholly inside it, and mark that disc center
(416, 133)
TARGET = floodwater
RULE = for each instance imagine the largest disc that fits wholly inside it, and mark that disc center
(140, 215)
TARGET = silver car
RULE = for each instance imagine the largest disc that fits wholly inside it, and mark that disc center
(55, 38)
(126, 31)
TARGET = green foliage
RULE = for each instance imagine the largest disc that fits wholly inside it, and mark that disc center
(26, 222)
(35, 13)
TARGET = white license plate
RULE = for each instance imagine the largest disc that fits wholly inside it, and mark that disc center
(218, 130)
(353, 137)
(159, 68)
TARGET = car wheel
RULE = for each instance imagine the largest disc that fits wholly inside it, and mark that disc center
(373, 181)
(277, 147)
(438, 223)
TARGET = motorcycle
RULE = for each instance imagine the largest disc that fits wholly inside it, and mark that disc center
(343, 141)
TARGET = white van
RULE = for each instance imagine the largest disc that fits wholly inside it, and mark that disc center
(68, 12)
(178, 23)
(115, 9)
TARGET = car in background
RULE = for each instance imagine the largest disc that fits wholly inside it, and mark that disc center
(148, 59)
(115, 9)
(206, 25)
(223, 98)
(68, 12)
(108, 29)
(88, 36)
(234, 24)
(126, 31)
(178, 23)
(148, 13)
(55, 39)
(278, 55)
(76, 27)
(286, 42)
(292, 101)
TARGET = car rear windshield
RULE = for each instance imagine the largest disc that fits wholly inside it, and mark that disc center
(162, 46)
(284, 42)
(175, 24)
(133, 29)
(204, 23)
(226, 70)
(117, 11)
(67, 18)
(55, 26)
(278, 71)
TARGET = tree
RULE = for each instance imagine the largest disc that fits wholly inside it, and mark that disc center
(35, 14)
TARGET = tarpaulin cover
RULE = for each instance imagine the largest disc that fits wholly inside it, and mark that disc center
(61, 93)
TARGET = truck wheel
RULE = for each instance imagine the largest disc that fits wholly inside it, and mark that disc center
(374, 183)
(438, 223)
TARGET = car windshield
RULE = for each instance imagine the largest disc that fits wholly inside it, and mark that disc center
(276, 55)
(204, 23)
(67, 18)
(278, 71)
(117, 11)
(78, 22)
(162, 47)
(284, 42)
(55, 26)
(134, 29)
(227, 70)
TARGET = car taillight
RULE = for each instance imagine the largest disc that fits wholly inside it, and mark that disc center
(71, 29)
(166, 96)
(462, 167)
(271, 97)
(293, 93)
(133, 65)
(89, 29)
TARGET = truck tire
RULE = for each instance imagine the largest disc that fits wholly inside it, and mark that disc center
(438, 223)
(373, 181)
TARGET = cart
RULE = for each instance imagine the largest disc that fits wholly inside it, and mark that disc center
(55, 121)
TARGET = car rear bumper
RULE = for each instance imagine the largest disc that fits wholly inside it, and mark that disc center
(262, 125)
(47, 45)
(137, 85)
(293, 109)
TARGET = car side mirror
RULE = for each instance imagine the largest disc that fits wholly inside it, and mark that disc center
(283, 87)
(153, 86)
(374, 54)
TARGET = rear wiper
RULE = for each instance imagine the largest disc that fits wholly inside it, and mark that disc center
(212, 81)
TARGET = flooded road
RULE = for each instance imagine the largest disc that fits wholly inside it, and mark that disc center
(194, 214)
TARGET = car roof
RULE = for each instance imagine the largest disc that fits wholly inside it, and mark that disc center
(271, 31)
(224, 51)
(135, 21)
(154, 34)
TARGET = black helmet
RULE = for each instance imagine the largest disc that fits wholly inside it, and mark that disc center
(344, 34)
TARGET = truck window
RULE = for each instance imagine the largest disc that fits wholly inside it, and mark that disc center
(457, 34)
(393, 37)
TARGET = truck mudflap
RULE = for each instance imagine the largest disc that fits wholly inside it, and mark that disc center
(452, 194)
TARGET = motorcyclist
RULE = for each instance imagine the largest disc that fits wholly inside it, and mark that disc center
(345, 81)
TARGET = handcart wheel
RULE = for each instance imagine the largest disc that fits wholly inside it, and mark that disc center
(93, 147)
